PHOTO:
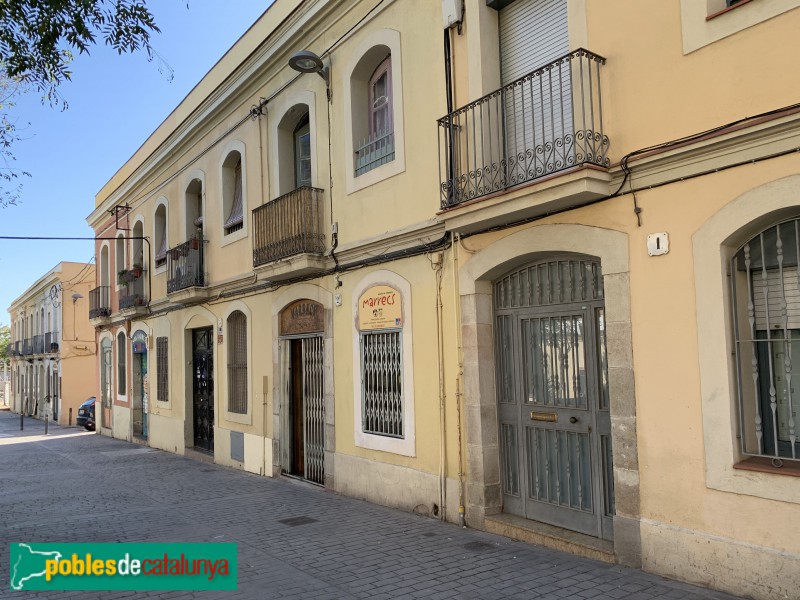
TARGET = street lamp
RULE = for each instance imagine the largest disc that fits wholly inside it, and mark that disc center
(306, 61)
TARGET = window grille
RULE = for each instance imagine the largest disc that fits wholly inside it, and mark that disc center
(766, 292)
(162, 369)
(382, 383)
(237, 363)
(121, 369)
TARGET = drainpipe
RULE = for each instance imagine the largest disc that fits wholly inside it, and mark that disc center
(438, 266)
(455, 241)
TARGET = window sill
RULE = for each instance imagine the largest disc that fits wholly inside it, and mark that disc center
(727, 9)
(762, 464)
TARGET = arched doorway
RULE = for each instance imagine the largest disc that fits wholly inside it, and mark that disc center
(140, 384)
(552, 394)
(302, 324)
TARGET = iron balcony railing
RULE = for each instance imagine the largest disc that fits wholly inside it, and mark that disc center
(186, 265)
(100, 302)
(544, 122)
(376, 150)
(27, 347)
(288, 225)
(38, 344)
(133, 294)
(51, 341)
(18, 348)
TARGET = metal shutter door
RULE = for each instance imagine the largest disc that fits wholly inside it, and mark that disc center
(538, 128)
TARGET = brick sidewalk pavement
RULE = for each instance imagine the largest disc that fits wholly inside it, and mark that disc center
(74, 486)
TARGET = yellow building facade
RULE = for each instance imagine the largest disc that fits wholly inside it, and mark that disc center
(53, 345)
(527, 265)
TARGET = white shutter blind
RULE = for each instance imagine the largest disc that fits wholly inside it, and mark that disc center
(532, 33)
(775, 297)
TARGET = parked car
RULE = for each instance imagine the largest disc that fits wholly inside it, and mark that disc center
(86, 414)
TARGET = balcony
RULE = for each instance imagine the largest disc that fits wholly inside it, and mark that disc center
(289, 229)
(27, 347)
(545, 123)
(51, 342)
(100, 302)
(374, 151)
(186, 278)
(38, 344)
(133, 294)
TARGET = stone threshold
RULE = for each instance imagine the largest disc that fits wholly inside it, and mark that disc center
(198, 455)
(542, 534)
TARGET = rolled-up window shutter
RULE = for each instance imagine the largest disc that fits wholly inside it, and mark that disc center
(235, 217)
(161, 253)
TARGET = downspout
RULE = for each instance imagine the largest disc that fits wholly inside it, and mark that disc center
(438, 266)
(455, 240)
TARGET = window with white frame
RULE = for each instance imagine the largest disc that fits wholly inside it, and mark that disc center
(232, 193)
(766, 295)
(119, 257)
(302, 152)
(162, 369)
(121, 364)
(237, 362)
(382, 383)
(160, 223)
(375, 146)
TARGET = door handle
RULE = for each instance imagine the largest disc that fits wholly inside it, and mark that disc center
(573, 420)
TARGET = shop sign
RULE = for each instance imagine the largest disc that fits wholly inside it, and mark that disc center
(380, 307)
(302, 316)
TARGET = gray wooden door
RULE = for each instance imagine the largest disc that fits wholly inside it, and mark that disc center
(555, 433)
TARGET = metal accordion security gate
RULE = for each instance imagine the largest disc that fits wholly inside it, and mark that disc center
(553, 403)
(313, 408)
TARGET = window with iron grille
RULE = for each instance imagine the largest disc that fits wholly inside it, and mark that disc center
(162, 369)
(121, 365)
(382, 383)
(766, 293)
(237, 362)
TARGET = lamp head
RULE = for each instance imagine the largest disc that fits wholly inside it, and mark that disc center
(306, 61)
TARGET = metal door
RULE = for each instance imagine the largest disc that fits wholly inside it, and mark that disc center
(203, 388)
(553, 395)
(304, 417)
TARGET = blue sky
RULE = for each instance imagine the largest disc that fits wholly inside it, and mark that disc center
(115, 103)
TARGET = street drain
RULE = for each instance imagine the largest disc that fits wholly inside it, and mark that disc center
(478, 546)
(295, 521)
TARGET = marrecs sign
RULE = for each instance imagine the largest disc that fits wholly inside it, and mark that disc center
(123, 566)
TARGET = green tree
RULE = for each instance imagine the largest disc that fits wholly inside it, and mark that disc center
(5, 343)
(38, 39)
(9, 134)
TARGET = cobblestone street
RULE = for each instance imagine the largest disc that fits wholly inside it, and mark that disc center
(74, 486)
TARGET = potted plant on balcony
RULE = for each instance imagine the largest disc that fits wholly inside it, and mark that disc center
(136, 271)
(122, 277)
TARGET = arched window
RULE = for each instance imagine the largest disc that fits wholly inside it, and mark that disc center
(372, 105)
(194, 209)
(232, 192)
(119, 256)
(766, 292)
(302, 152)
(161, 247)
(121, 364)
(237, 362)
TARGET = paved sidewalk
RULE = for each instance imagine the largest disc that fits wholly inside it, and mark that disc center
(75, 486)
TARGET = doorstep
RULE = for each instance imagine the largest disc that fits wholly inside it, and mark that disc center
(198, 455)
(542, 534)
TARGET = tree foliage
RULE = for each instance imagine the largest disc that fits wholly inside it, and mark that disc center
(5, 343)
(38, 37)
(9, 134)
